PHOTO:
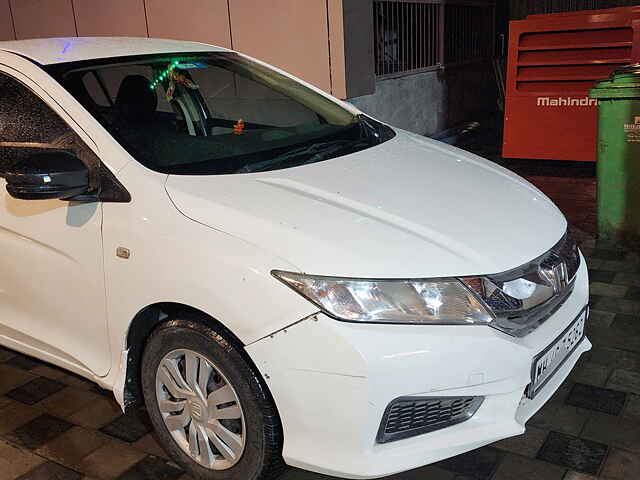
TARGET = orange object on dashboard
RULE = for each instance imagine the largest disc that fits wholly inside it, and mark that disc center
(238, 128)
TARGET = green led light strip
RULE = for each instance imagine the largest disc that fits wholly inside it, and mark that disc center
(160, 78)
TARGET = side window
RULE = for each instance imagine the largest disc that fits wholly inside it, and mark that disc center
(94, 90)
(28, 124)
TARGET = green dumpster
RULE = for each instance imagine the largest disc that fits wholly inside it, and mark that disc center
(619, 155)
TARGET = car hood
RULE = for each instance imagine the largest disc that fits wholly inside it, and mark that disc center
(410, 207)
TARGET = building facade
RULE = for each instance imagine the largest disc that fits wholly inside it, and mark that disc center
(423, 65)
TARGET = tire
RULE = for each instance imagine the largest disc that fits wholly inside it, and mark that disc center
(181, 342)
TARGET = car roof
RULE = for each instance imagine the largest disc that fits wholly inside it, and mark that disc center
(48, 51)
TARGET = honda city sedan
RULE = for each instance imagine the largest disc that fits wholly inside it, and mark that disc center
(277, 277)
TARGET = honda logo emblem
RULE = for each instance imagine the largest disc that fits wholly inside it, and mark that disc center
(557, 276)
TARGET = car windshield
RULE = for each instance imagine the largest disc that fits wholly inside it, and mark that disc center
(214, 113)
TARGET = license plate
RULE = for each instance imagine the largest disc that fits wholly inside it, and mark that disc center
(546, 363)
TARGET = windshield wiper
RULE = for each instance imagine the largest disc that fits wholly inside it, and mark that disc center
(316, 152)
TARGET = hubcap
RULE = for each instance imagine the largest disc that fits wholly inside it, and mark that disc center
(200, 409)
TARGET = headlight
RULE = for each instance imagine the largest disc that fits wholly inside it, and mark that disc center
(515, 302)
(442, 301)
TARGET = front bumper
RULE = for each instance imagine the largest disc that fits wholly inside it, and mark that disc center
(332, 381)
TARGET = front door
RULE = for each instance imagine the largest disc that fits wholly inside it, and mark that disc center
(52, 292)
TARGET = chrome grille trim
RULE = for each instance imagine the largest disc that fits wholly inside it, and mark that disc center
(566, 253)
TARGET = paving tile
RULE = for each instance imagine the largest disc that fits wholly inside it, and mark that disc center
(11, 378)
(611, 337)
(110, 460)
(607, 254)
(16, 414)
(618, 305)
(560, 395)
(601, 276)
(594, 263)
(129, 427)
(595, 398)
(150, 445)
(564, 418)
(516, 467)
(625, 380)
(526, 444)
(622, 465)
(626, 278)
(15, 461)
(72, 446)
(619, 266)
(51, 471)
(38, 431)
(63, 376)
(607, 289)
(37, 389)
(632, 409)
(573, 452)
(632, 254)
(97, 414)
(6, 354)
(22, 362)
(614, 358)
(616, 431)
(599, 317)
(152, 468)
(79, 382)
(480, 463)
(578, 476)
(5, 401)
(590, 373)
(634, 293)
(297, 474)
(627, 324)
(95, 388)
(67, 402)
(429, 472)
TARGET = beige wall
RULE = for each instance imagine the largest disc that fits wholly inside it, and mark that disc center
(6, 22)
(304, 37)
(290, 34)
(204, 21)
(43, 18)
(336, 42)
(124, 18)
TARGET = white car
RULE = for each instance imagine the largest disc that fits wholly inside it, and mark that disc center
(276, 276)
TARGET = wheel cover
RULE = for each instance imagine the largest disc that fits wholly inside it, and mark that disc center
(201, 409)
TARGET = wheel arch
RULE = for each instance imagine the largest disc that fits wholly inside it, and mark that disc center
(142, 326)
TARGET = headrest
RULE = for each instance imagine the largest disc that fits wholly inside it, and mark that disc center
(135, 98)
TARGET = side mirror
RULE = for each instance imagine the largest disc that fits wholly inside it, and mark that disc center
(47, 175)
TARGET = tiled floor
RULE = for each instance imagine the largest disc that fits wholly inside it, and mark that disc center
(54, 425)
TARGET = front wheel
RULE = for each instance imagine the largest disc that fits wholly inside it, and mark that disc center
(210, 411)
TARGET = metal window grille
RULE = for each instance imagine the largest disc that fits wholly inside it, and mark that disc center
(418, 35)
(469, 33)
(406, 36)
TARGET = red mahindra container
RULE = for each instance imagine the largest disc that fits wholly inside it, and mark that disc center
(553, 61)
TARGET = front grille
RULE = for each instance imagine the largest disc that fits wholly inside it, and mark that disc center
(555, 271)
(410, 416)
